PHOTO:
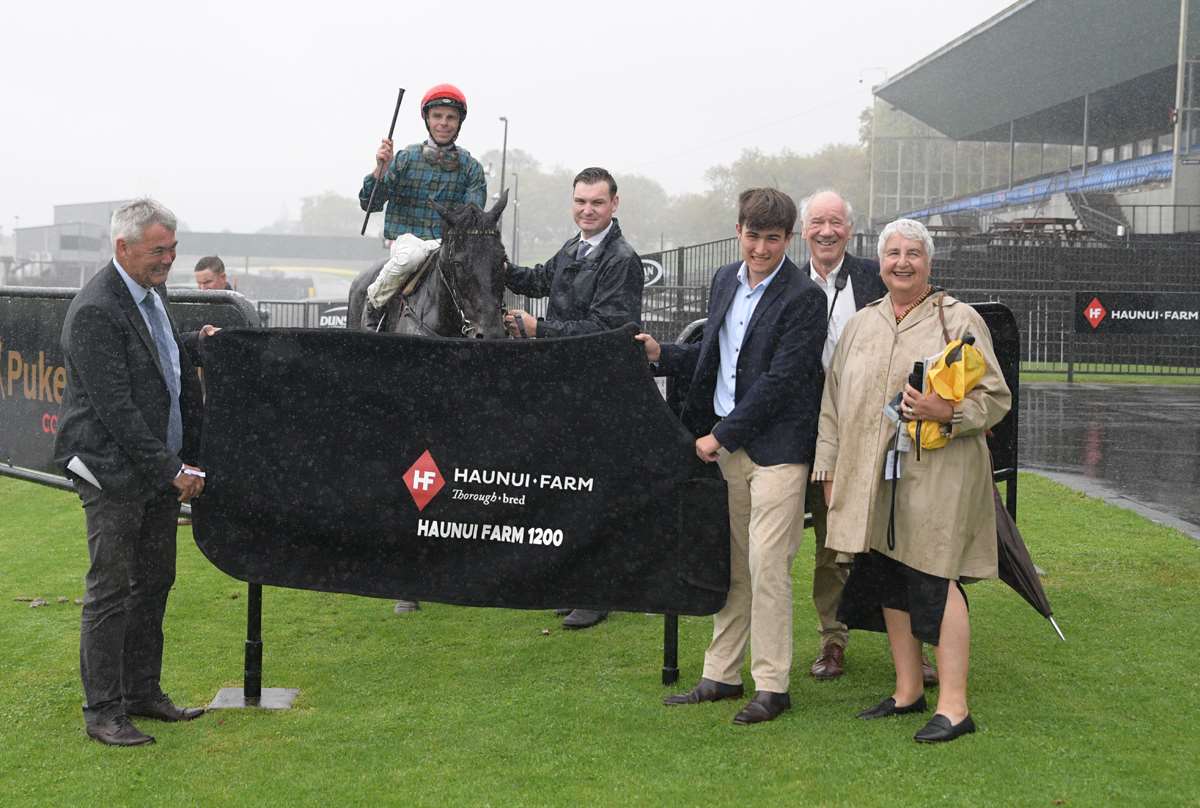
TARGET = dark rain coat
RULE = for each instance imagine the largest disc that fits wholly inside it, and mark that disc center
(599, 293)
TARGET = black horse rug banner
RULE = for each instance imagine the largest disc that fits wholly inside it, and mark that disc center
(510, 473)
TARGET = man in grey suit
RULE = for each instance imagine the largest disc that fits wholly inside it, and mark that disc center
(128, 438)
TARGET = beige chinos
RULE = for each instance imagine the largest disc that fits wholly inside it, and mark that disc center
(766, 523)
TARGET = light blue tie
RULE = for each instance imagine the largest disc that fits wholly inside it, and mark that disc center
(584, 249)
(164, 342)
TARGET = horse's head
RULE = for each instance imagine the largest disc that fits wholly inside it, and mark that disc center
(472, 260)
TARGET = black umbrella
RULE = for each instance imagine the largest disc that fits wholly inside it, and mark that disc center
(1016, 567)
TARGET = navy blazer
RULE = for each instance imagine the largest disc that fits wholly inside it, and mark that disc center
(116, 406)
(779, 377)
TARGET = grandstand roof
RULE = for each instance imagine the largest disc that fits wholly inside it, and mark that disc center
(1034, 61)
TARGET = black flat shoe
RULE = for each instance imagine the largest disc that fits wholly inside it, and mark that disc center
(888, 707)
(940, 729)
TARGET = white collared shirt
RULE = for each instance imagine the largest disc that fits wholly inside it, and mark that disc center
(733, 334)
(838, 311)
(596, 239)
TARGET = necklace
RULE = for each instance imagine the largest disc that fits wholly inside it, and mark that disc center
(928, 291)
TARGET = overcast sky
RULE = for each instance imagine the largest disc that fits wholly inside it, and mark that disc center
(230, 112)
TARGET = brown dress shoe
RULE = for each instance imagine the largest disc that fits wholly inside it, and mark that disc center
(118, 731)
(765, 706)
(163, 710)
(706, 690)
(928, 674)
(830, 664)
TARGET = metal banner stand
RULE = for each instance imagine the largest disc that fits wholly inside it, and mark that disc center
(670, 671)
(253, 694)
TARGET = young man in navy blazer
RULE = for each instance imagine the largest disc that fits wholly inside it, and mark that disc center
(753, 403)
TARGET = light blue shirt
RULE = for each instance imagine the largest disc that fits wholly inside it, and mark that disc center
(139, 293)
(733, 333)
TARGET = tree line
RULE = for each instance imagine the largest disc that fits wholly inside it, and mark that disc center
(651, 218)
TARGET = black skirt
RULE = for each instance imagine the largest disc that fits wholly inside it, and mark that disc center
(877, 582)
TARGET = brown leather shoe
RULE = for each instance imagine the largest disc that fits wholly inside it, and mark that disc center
(830, 664)
(163, 710)
(765, 706)
(118, 731)
(928, 673)
(706, 690)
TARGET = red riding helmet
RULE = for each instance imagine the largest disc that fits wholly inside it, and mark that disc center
(445, 95)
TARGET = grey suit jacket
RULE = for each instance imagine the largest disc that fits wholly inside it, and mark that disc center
(116, 406)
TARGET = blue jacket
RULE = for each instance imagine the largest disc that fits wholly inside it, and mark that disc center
(779, 376)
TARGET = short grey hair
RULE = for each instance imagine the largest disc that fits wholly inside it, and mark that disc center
(129, 222)
(806, 203)
(909, 229)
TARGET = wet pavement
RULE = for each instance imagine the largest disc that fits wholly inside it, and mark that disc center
(1137, 446)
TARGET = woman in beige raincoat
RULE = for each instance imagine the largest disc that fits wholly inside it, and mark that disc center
(907, 580)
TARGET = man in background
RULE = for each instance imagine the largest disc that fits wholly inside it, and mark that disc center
(210, 274)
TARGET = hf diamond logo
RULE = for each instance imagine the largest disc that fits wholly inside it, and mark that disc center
(1095, 312)
(424, 480)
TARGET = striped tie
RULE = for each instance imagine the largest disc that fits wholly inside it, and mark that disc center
(584, 249)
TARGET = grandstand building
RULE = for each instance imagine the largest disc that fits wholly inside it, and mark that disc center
(1070, 115)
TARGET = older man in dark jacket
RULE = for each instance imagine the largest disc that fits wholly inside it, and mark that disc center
(594, 284)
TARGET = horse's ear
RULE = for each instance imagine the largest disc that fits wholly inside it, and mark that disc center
(442, 210)
(498, 208)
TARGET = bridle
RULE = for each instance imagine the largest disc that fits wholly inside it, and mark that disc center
(467, 327)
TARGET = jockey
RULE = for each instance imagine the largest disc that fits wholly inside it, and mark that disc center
(436, 169)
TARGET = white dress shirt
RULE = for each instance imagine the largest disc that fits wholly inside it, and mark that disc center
(839, 311)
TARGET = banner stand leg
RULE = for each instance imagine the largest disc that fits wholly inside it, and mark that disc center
(253, 694)
(670, 671)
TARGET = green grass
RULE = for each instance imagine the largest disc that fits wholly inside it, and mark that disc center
(456, 706)
(1088, 373)
(1109, 378)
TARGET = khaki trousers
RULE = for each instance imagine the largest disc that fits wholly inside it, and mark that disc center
(829, 577)
(766, 523)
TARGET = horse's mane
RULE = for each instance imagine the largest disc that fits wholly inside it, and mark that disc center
(465, 218)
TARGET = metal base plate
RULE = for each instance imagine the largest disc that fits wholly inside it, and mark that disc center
(273, 698)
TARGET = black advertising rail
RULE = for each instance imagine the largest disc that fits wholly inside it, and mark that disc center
(1117, 312)
(33, 379)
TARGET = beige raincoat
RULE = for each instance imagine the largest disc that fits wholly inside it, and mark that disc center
(945, 518)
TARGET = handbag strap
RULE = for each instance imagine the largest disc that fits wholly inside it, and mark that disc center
(942, 317)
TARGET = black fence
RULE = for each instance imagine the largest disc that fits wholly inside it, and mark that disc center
(1037, 278)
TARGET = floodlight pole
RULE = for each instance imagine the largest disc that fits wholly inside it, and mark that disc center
(1180, 80)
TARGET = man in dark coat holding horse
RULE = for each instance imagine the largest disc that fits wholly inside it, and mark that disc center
(594, 284)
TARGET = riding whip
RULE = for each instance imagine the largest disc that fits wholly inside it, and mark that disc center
(375, 187)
